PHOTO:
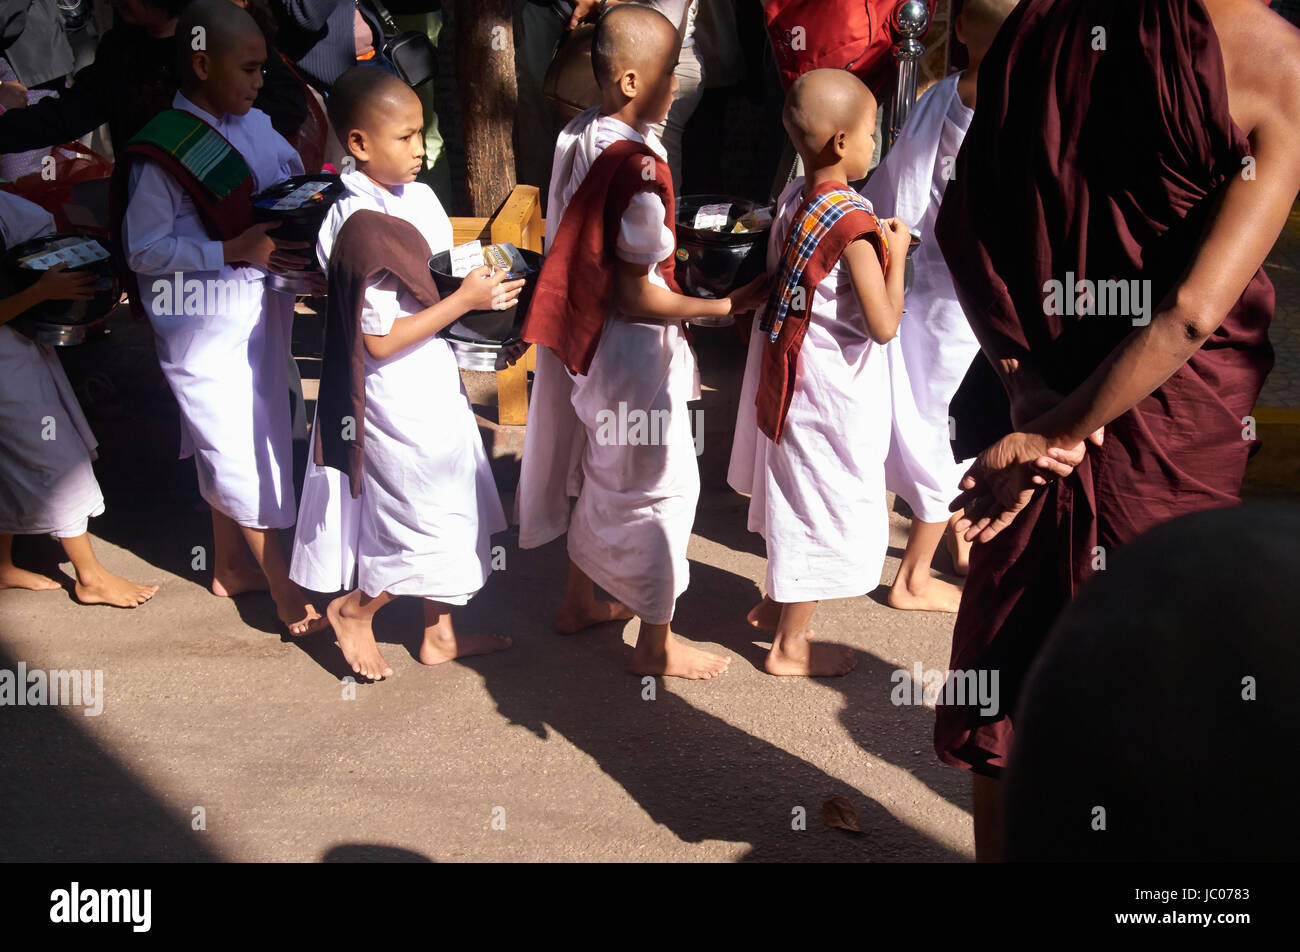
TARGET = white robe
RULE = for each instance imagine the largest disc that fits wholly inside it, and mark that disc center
(227, 365)
(428, 506)
(818, 496)
(46, 480)
(935, 345)
(619, 437)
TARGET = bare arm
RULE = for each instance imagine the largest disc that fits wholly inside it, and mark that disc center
(880, 293)
(636, 297)
(481, 289)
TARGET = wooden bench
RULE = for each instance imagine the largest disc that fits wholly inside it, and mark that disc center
(519, 222)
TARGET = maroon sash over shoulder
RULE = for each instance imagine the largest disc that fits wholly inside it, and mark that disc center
(368, 243)
(1100, 167)
(210, 170)
(831, 216)
(576, 284)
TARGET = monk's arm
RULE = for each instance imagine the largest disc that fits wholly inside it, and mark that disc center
(1240, 234)
(880, 294)
(636, 297)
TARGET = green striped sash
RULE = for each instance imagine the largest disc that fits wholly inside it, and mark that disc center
(199, 148)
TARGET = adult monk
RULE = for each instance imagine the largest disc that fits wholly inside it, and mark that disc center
(1147, 141)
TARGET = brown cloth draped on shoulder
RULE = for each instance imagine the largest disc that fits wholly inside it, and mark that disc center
(1103, 163)
(368, 244)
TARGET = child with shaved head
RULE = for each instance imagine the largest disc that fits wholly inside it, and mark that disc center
(608, 319)
(935, 344)
(199, 263)
(414, 511)
(813, 426)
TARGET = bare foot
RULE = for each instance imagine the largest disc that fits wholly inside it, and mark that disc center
(357, 641)
(766, 615)
(797, 656)
(236, 581)
(570, 619)
(958, 551)
(679, 660)
(11, 576)
(930, 595)
(109, 589)
(296, 613)
(436, 650)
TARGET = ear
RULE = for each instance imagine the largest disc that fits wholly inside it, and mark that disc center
(628, 84)
(356, 145)
(201, 64)
(840, 143)
(959, 28)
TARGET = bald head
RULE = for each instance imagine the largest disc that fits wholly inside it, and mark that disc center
(823, 104)
(365, 94)
(633, 38)
(217, 28)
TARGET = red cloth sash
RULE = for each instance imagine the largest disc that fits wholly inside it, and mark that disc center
(576, 285)
(780, 362)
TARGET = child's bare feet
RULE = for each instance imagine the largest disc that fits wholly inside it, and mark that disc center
(235, 580)
(110, 589)
(676, 659)
(766, 615)
(357, 639)
(438, 648)
(796, 655)
(574, 618)
(11, 576)
(924, 594)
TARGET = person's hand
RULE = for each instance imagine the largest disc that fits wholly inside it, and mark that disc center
(486, 288)
(253, 246)
(281, 260)
(13, 95)
(750, 296)
(583, 8)
(60, 284)
(1004, 478)
(511, 352)
(898, 237)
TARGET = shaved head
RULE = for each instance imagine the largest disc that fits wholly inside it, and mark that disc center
(633, 38)
(823, 103)
(215, 27)
(363, 94)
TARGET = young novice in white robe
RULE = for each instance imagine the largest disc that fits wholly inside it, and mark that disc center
(223, 338)
(428, 505)
(46, 481)
(935, 345)
(636, 487)
(812, 429)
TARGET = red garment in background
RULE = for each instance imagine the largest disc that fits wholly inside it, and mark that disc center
(1104, 165)
(834, 34)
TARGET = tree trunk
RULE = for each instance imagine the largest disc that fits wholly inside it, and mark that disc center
(485, 75)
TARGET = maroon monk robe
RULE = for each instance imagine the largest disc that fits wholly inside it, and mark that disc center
(576, 284)
(1103, 164)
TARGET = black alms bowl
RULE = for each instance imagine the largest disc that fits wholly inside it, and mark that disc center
(301, 223)
(485, 325)
(714, 263)
(61, 323)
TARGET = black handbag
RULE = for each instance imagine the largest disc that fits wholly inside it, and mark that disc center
(411, 52)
